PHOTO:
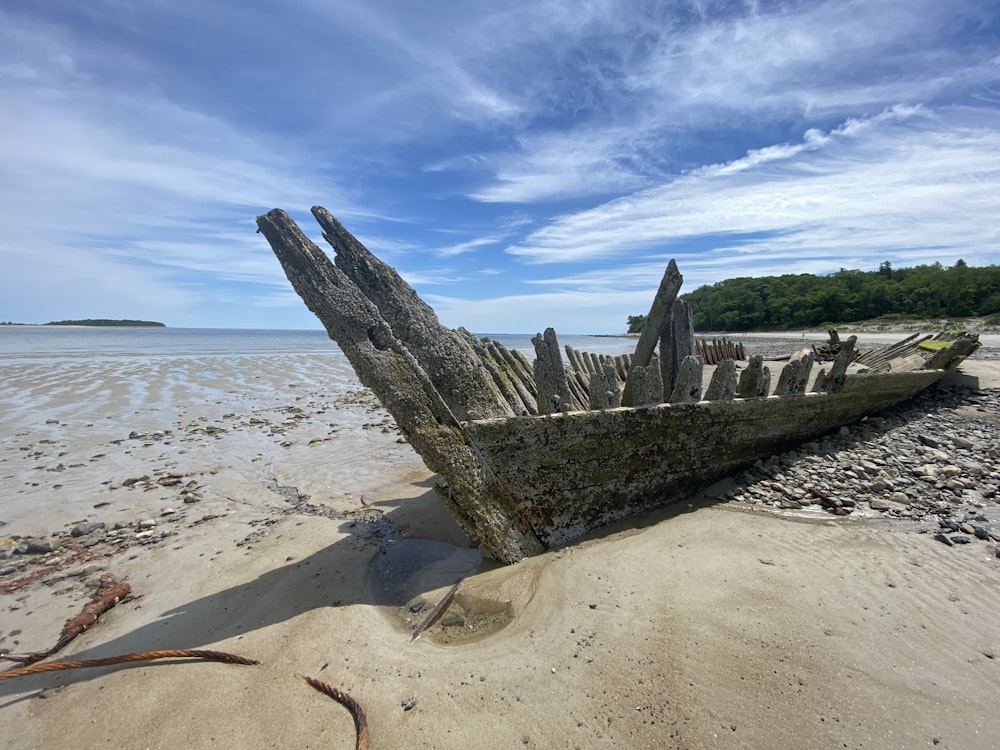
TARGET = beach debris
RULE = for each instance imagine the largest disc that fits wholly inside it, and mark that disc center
(409, 704)
(835, 505)
(56, 666)
(358, 713)
(109, 593)
(435, 613)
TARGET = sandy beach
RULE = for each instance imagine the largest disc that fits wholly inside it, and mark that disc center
(269, 508)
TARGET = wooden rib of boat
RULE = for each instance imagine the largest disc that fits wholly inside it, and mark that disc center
(536, 454)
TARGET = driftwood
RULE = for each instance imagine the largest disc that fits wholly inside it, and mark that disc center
(435, 613)
(659, 317)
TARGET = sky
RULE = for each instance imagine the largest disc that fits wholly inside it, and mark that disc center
(521, 164)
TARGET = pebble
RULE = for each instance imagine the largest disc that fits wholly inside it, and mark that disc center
(37, 547)
(86, 528)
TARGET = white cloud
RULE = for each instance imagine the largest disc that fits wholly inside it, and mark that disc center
(641, 86)
(569, 312)
(901, 181)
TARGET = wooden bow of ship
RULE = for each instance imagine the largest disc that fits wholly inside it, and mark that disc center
(535, 454)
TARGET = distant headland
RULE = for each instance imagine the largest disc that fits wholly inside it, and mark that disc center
(99, 323)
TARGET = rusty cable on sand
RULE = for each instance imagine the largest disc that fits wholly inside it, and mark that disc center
(360, 720)
(126, 658)
(109, 593)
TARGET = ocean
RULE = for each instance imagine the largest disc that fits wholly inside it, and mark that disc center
(35, 343)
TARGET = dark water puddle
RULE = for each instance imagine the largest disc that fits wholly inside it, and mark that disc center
(407, 578)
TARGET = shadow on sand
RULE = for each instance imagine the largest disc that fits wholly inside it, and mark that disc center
(333, 576)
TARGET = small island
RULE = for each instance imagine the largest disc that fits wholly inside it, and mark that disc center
(101, 322)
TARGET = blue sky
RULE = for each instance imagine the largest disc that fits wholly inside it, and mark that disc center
(522, 164)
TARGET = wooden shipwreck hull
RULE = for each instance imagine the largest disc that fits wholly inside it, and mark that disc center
(536, 454)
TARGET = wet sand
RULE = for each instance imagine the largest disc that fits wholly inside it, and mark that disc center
(701, 626)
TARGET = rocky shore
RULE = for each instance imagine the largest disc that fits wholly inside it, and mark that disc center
(933, 462)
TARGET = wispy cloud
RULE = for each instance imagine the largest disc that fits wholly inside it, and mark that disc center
(868, 184)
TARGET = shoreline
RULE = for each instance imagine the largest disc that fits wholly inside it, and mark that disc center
(709, 623)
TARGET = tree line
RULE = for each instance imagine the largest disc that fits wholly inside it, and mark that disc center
(809, 301)
(104, 322)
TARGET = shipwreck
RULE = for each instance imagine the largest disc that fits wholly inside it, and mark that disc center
(536, 454)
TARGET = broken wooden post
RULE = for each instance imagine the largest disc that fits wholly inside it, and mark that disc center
(444, 355)
(676, 343)
(755, 381)
(659, 313)
(550, 375)
(657, 322)
(794, 375)
(831, 383)
(723, 384)
(604, 393)
(687, 389)
(643, 386)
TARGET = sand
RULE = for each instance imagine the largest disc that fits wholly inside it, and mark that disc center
(706, 625)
